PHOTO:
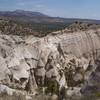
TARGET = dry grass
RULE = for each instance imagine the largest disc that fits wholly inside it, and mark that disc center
(14, 97)
(44, 97)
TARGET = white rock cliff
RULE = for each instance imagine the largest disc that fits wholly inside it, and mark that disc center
(27, 63)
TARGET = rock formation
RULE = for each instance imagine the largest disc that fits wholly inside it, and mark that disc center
(27, 63)
(92, 85)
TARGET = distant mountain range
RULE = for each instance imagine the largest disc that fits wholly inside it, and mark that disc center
(37, 17)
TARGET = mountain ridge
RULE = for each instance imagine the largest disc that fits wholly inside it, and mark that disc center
(40, 17)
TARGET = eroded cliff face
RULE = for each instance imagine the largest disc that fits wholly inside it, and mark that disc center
(29, 63)
(92, 85)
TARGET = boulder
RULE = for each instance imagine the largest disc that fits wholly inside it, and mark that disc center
(74, 91)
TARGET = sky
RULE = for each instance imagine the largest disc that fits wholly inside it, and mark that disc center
(58, 8)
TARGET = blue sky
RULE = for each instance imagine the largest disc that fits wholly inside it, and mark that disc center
(61, 8)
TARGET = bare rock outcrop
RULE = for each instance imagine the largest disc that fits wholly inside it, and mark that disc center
(30, 62)
(92, 85)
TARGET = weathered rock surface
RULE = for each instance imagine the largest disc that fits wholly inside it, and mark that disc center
(27, 63)
(92, 85)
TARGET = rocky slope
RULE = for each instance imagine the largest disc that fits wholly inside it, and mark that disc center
(27, 63)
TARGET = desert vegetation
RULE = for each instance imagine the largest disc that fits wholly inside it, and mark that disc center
(28, 28)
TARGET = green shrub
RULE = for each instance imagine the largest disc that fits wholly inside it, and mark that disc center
(52, 87)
